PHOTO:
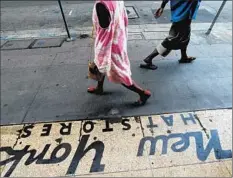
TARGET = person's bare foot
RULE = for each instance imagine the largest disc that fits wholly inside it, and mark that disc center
(95, 90)
(187, 60)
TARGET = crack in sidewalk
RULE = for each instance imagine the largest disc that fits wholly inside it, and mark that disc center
(38, 90)
(30, 105)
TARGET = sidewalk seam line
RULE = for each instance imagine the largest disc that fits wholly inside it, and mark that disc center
(227, 169)
(16, 141)
(148, 158)
(80, 131)
(221, 108)
(202, 126)
(142, 129)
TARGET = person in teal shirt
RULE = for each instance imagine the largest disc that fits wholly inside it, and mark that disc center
(182, 14)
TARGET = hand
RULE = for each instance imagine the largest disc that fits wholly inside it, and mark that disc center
(159, 12)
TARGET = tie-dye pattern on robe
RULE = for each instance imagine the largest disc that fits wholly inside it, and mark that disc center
(111, 55)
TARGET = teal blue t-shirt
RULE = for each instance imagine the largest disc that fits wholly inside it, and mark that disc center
(183, 9)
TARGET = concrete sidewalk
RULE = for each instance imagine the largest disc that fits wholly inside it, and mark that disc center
(44, 85)
(184, 130)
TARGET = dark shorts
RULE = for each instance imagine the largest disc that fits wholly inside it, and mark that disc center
(179, 37)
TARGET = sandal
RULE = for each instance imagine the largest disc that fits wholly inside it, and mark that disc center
(149, 66)
(143, 99)
(187, 60)
(94, 90)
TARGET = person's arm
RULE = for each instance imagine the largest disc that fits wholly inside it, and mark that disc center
(103, 15)
(164, 3)
(159, 12)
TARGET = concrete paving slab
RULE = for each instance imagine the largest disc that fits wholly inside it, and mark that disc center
(26, 61)
(79, 56)
(186, 80)
(138, 173)
(199, 37)
(191, 138)
(140, 49)
(86, 42)
(66, 47)
(135, 36)
(18, 88)
(9, 138)
(47, 43)
(222, 120)
(132, 13)
(62, 90)
(224, 35)
(120, 147)
(17, 44)
(215, 50)
(163, 134)
(108, 141)
(115, 143)
(155, 35)
(228, 165)
(45, 139)
(215, 169)
(63, 95)
(203, 51)
(135, 29)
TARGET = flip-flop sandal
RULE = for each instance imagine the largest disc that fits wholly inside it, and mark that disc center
(143, 99)
(149, 66)
(93, 90)
(189, 60)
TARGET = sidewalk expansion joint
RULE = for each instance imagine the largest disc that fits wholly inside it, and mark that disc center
(203, 128)
(18, 135)
(16, 142)
(228, 170)
(140, 121)
(80, 131)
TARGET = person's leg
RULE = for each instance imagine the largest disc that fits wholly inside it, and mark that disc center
(98, 89)
(187, 33)
(148, 61)
(162, 49)
(184, 57)
(144, 94)
(184, 53)
(149, 58)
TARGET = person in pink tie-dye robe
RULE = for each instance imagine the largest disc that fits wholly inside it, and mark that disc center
(111, 58)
